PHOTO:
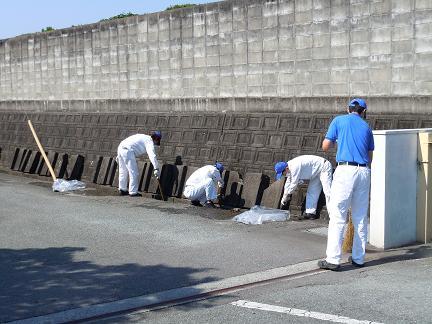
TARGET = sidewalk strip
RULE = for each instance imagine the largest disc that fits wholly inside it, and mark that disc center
(179, 295)
(300, 312)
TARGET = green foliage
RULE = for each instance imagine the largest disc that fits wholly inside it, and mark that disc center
(122, 15)
(186, 5)
(47, 29)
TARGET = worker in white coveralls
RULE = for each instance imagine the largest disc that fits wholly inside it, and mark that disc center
(127, 152)
(306, 167)
(201, 188)
(351, 183)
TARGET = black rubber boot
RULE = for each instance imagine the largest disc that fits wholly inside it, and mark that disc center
(123, 192)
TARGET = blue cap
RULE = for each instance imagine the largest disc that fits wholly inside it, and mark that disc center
(219, 166)
(157, 134)
(280, 168)
(358, 101)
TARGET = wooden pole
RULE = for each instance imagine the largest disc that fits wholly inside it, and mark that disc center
(41, 149)
(160, 189)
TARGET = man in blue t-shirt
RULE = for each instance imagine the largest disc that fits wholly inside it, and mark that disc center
(351, 183)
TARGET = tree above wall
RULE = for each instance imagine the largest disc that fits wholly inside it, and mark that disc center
(128, 14)
(186, 5)
(47, 29)
(122, 15)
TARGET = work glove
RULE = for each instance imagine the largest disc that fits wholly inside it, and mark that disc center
(285, 206)
(285, 202)
(156, 173)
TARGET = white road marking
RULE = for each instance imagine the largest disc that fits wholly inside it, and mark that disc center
(300, 312)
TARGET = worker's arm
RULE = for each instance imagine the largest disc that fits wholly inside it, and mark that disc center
(371, 147)
(331, 136)
(217, 177)
(370, 157)
(291, 183)
(286, 197)
(152, 155)
(327, 145)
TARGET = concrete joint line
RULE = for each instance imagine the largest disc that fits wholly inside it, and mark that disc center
(178, 295)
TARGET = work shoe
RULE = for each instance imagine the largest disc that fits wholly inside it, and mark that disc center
(310, 216)
(209, 204)
(323, 264)
(355, 264)
(196, 203)
(136, 195)
(123, 192)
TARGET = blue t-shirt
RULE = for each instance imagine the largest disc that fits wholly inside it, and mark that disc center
(354, 138)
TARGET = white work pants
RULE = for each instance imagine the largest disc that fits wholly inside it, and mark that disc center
(128, 169)
(206, 190)
(316, 184)
(350, 188)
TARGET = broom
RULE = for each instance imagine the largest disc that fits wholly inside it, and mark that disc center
(349, 235)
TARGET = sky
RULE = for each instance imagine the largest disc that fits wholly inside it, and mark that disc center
(19, 17)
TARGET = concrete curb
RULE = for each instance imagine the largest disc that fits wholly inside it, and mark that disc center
(174, 295)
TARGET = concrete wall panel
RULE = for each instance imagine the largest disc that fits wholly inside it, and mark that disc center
(235, 49)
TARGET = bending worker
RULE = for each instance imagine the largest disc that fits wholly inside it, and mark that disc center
(200, 188)
(351, 183)
(127, 152)
(306, 167)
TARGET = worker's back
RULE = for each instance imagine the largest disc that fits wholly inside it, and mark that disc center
(306, 166)
(205, 172)
(138, 143)
(354, 138)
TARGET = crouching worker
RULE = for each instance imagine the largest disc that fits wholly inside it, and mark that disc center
(306, 167)
(201, 188)
(129, 149)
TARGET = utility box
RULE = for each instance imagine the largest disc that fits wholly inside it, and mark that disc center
(400, 205)
(424, 188)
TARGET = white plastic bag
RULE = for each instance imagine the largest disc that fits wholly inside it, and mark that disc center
(67, 185)
(258, 215)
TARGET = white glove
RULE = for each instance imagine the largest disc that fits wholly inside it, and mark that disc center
(156, 173)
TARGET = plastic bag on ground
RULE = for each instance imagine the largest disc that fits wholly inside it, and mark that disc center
(62, 185)
(258, 215)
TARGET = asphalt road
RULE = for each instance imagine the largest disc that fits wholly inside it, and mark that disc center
(64, 251)
(69, 252)
(387, 291)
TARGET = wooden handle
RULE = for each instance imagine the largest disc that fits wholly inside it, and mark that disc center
(41, 149)
(160, 189)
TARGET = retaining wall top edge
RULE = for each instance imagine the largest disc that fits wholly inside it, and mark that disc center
(408, 105)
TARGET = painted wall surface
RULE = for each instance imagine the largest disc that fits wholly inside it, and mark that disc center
(233, 49)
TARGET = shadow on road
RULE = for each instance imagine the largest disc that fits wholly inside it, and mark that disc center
(411, 253)
(36, 282)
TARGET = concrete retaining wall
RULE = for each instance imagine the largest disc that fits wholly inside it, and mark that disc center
(232, 49)
(84, 144)
(244, 82)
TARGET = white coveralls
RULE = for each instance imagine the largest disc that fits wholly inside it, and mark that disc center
(201, 185)
(350, 187)
(130, 148)
(315, 169)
